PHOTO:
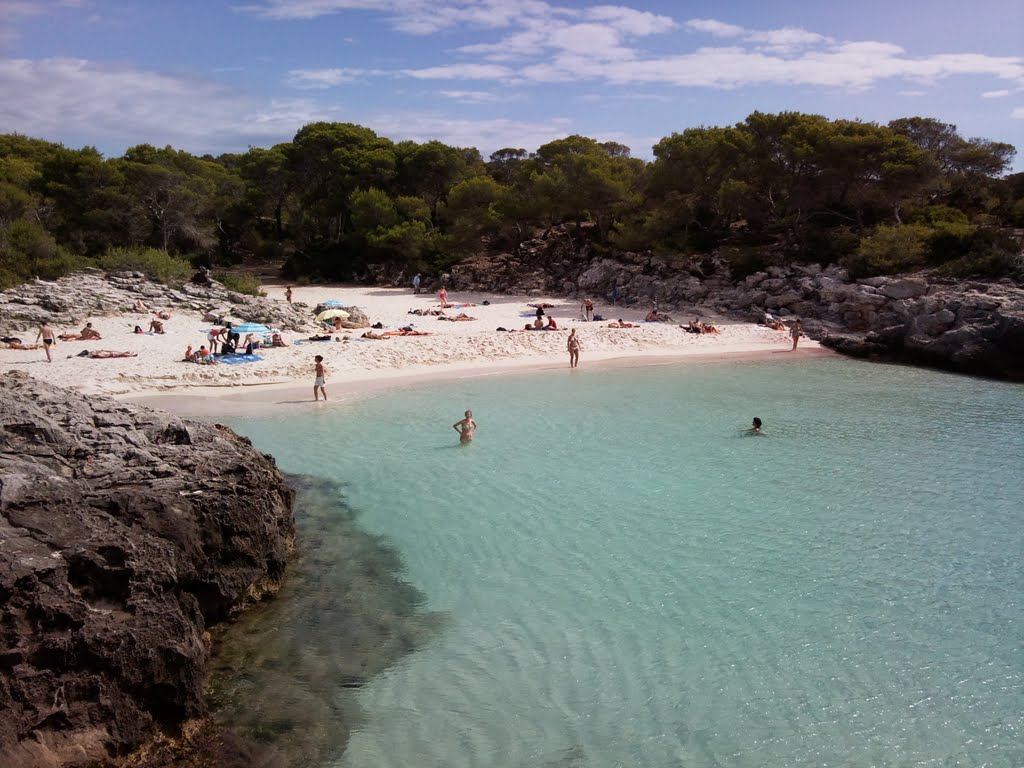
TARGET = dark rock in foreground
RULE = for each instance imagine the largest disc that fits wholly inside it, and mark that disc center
(124, 534)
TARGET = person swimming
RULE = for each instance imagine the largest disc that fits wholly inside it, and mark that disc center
(465, 428)
(755, 427)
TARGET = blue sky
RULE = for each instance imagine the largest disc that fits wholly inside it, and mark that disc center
(213, 76)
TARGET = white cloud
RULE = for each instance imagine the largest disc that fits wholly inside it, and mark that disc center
(912, 94)
(121, 106)
(630, 21)
(461, 72)
(472, 97)
(716, 28)
(995, 94)
(325, 78)
(787, 37)
(1018, 113)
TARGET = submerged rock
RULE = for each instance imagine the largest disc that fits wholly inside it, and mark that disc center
(124, 534)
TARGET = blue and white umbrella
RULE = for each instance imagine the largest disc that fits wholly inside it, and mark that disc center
(250, 328)
(332, 303)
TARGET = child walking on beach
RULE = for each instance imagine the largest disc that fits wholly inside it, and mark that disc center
(320, 380)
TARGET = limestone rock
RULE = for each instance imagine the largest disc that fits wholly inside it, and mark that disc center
(125, 534)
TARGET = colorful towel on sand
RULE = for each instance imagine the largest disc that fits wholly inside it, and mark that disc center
(237, 359)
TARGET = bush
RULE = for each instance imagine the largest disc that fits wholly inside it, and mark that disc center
(890, 250)
(987, 253)
(156, 265)
(27, 250)
(246, 283)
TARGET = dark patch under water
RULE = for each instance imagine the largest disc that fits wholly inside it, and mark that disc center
(343, 615)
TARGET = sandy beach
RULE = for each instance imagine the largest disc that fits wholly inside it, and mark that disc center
(284, 375)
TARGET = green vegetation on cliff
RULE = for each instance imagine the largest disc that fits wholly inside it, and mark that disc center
(338, 197)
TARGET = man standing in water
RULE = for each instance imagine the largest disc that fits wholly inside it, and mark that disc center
(49, 339)
(574, 349)
(320, 380)
(465, 428)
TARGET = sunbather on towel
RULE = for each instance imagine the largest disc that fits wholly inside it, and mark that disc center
(462, 316)
(103, 354)
(373, 335)
(406, 332)
(621, 324)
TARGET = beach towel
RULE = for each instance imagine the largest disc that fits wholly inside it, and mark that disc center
(237, 359)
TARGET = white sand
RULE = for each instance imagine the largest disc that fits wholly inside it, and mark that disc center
(453, 349)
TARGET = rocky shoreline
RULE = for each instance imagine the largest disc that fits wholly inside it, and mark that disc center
(969, 326)
(92, 293)
(126, 534)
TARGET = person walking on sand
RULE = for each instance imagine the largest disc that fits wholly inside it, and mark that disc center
(288, 294)
(574, 349)
(49, 339)
(465, 428)
(796, 332)
(442, 296)
(320, 380)
(587, 309)
(416, 283)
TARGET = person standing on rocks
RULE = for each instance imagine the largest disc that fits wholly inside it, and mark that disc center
(320, 380)
(796, 332)
(49, 339)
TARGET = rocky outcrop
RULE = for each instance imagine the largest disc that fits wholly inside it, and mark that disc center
(91, 293)
(124, 534)
(971, 326)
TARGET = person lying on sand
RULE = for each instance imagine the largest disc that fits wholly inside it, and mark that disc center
(693, 326)
(708, 328)
(86, 334)
(374, 335)
(276, 340)
(406, 332)
(16, 344)
(462, 316)
(542, 305)
(654, 316)
(429, 312)
(103, 354)
(621, 324)
(773, 322)
(163, 314)
(140, 306)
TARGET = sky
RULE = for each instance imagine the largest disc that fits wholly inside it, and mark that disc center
(215, 76)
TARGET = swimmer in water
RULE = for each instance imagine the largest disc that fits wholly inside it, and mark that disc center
(465, 428)
(755, 428)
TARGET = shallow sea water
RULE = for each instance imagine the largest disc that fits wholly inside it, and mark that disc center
(626, 579)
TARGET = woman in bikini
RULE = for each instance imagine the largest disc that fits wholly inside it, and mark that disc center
(465, 428)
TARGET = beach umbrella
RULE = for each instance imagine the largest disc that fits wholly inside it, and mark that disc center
(250, 328)
(330, 314)
(333, 303)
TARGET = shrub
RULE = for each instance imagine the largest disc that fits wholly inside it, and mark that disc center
(890, 250)
(27, 250)
(155, 264)
(246, 283)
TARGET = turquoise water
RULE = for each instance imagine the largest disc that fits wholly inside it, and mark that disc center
(625, 579)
